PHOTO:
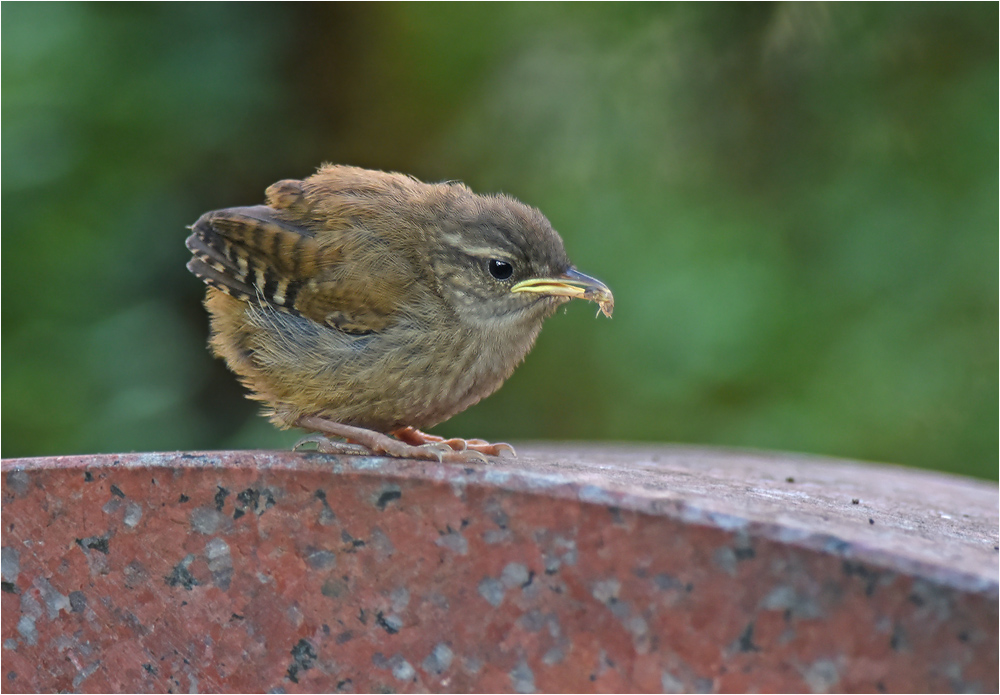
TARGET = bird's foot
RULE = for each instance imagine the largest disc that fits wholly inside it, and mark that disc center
(412, 435)
(364, 441)
(325, 445)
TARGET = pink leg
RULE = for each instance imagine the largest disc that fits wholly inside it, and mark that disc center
(412, 435)
(378, 443)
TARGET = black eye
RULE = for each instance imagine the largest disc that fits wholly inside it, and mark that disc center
(501, 270)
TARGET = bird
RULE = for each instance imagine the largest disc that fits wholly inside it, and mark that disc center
(367, 306)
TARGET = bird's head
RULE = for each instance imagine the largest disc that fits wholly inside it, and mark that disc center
(500, 262)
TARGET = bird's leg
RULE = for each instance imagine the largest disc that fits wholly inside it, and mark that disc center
(378, 443)
(411, 435)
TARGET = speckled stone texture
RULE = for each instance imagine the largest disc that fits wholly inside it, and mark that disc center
(570, 569)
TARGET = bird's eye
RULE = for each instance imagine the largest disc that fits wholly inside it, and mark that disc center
(501, 270)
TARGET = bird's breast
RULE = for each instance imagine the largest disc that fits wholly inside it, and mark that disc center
(412, 373)
(446, 371)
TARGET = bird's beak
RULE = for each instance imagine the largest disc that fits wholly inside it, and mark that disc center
(572, 284)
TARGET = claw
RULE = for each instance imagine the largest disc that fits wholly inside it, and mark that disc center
(439, 449)
(504, 450)
(317, 439)
(457, 444)
(477, 455)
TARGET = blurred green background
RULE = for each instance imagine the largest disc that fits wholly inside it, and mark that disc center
(795, 204)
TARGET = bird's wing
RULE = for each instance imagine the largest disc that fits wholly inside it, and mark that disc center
(254, 254)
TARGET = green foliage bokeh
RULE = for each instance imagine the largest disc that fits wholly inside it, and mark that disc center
(795, 204)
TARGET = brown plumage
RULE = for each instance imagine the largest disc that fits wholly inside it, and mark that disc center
(360, 303)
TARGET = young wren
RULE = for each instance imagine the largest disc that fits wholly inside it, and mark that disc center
(363, 304)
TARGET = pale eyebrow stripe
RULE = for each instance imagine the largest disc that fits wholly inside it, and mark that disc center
(480, 251)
